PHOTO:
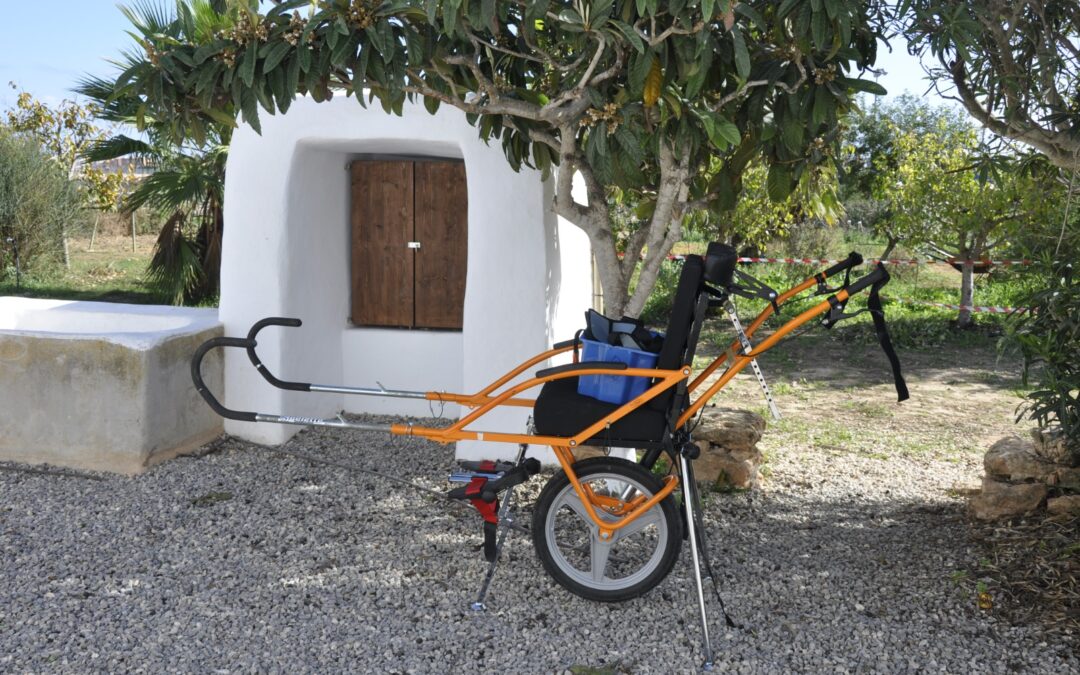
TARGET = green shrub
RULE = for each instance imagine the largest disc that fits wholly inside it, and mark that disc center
(37, 203)
(1049, 339)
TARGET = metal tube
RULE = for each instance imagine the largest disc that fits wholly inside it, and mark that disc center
(320, 422)
(687, 499)
(368, 391)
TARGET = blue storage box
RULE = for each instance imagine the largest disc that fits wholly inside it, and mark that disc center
(614, 388)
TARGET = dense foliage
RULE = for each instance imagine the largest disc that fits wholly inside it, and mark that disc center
(633, 94)
(1012, 64)
(1049, 338)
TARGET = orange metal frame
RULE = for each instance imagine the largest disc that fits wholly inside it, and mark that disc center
(494, 395)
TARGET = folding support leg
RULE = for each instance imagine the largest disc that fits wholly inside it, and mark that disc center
(689, 497)
(745, 342)
(506, 523)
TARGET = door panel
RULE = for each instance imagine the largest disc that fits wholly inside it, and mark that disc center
(382, 227)
(441, 213)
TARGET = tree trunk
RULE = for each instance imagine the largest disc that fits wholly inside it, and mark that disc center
(891, 242)
(93, 233)
(967, 292)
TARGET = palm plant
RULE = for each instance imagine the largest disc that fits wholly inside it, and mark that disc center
(188, 180)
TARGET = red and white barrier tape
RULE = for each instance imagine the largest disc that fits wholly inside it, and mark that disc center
(874, 261)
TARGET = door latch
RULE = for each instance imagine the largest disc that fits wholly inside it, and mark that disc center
(414, 244)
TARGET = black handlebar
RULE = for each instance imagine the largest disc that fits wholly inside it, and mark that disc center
(880, 274)
(267, 375)
(200, 386)
(854, 259)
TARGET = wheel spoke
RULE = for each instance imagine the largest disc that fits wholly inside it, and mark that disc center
(574, 502)
(652, 517)
(600, 550)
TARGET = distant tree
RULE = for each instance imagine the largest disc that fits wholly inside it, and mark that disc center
(64, 131)
(1012, 64)
(944, 193)
(637, 95)
(37, 203)
(870, 151)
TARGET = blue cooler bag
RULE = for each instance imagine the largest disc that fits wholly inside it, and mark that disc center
(614, 388)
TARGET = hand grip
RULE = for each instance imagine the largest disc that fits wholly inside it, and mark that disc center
(200, 386)
(263, 370)
(879, 274)
(854, 259)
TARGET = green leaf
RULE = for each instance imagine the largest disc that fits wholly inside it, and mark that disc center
(818, 26)
(639, 70)
(742, 56)
(207, 76)
(868, 86)
(750, 13)
(248, 62)
(779, 184)
(707, 9)
(785, 8)
(292, 76)
(274, 56)
(250, 110)
(728, 131)
(631, 35)
(304, 58)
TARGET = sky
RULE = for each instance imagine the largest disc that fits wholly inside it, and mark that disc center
(47, 45)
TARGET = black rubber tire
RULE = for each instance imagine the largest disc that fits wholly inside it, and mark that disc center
(672, 543)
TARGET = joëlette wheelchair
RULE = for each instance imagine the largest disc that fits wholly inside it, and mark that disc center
(605, 528)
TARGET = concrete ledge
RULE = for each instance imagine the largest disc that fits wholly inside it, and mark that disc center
(103, 386)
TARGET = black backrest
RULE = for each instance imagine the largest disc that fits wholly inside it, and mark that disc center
(682, 314)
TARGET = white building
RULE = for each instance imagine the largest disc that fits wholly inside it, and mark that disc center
(415, 256)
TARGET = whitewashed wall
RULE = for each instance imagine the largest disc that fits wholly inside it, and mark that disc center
(286, 253)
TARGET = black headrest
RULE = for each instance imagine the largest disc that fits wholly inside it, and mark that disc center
(720, 260)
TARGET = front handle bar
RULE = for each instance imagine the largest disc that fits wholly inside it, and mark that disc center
(248, 344)
(200, 386)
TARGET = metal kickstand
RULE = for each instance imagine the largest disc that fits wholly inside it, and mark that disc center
(698, 549)
(506, 523)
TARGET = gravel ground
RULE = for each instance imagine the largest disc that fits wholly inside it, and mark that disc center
(250, 560)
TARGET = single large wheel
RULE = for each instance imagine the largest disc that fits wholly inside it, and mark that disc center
(567, 540)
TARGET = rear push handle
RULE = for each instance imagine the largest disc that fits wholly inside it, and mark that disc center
(880, 274)
(853, 260)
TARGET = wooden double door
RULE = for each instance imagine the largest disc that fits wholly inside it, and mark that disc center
(409, 243)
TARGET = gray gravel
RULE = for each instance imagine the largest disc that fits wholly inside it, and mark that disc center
(249, 560)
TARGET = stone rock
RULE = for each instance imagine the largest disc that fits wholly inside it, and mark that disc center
(722, 468)
(1063, 505)
(1013, 458)
(999, 499)
(730, 428)
(1051, 445)
(1068, 477)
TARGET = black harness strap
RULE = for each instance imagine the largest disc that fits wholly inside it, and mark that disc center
(877, 313)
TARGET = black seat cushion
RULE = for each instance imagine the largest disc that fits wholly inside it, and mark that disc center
(561, 411)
